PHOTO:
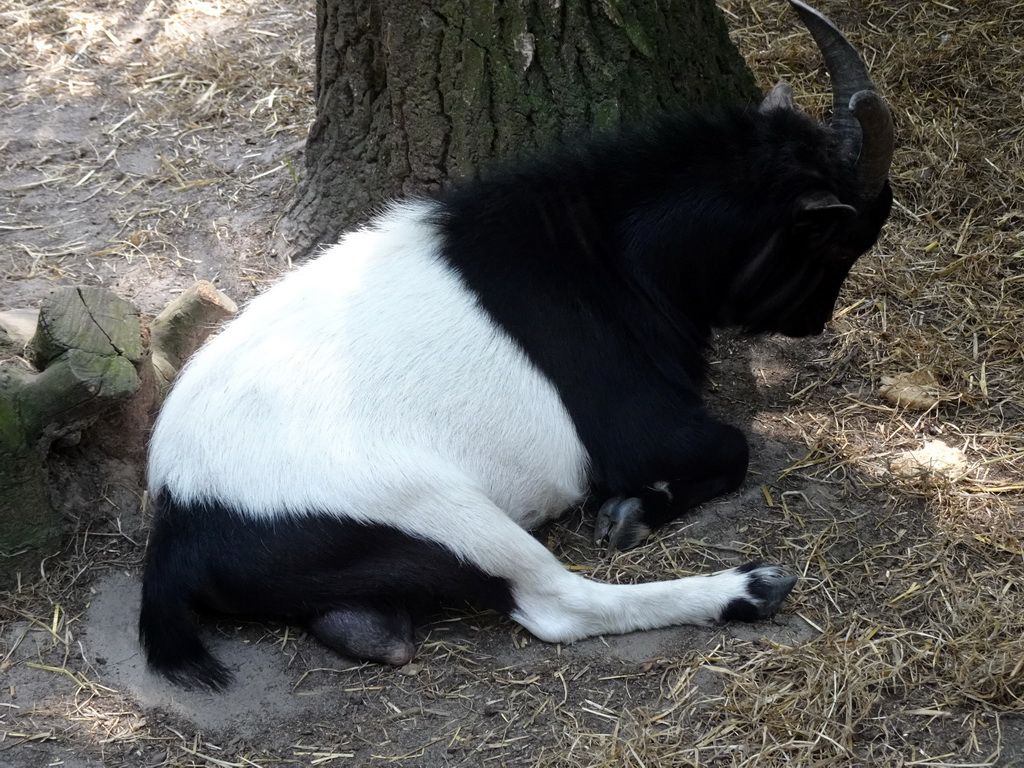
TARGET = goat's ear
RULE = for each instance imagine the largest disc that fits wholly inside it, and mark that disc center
(779, 97)
(818, 215)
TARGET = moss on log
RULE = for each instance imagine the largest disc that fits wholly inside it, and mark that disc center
(87, 361)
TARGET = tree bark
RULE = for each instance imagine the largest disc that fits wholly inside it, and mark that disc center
(411, 93)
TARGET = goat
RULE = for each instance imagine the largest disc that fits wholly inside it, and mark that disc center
(381, 429)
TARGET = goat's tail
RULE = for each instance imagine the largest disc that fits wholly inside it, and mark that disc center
(168, 630)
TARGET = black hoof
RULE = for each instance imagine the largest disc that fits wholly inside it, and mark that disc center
(620, 524)
(767, 586)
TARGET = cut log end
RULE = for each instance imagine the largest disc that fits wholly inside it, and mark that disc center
(184, 324)
(89, 349)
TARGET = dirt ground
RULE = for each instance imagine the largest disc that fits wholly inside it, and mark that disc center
(147, 143)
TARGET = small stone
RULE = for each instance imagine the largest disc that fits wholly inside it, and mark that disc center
(934, 458)
(19, 324)
(919, 390)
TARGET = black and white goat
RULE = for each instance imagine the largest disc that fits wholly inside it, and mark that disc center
(380, 430)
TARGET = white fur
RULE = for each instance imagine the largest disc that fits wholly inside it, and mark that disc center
(365, 378)
(370, 384)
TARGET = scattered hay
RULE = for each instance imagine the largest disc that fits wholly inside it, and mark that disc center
(212, 101)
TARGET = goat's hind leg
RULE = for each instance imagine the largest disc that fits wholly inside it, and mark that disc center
(573, 608)
(557, 605)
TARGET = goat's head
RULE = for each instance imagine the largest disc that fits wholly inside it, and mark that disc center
(790, 283)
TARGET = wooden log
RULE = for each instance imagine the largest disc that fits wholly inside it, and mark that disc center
(87, 344)
(88, 364)
(88, 319)
(184, 325)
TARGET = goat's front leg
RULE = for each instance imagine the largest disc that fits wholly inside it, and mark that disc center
(703, 459)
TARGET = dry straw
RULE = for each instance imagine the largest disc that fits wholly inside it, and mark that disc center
(199, 103)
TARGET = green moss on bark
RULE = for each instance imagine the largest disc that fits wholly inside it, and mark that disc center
(409, 95)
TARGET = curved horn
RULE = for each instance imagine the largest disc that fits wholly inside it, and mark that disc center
(878, 143)
(859, 115)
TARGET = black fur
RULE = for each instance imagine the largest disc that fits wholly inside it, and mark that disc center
(610, 262)
(206, 557)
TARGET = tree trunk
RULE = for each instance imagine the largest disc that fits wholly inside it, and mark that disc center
(411, 93)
